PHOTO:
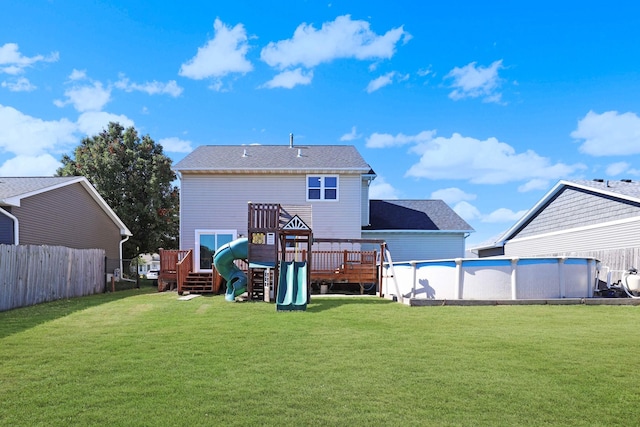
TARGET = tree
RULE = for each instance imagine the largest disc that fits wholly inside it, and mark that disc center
(135, 178)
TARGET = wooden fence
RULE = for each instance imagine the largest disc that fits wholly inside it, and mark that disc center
(34, 274)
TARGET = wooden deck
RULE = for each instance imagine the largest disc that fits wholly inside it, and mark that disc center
(347, 267)
(327, 267)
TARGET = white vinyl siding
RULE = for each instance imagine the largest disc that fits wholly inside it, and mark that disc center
(365, 203)
(220, 202)
(408, 246)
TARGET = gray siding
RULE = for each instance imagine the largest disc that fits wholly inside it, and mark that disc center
(421, 246)
(6, 230)
(67, 216)
(573, 208)
(611, 236)
(220, 202)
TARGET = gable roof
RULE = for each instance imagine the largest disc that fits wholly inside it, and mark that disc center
(273, 158)
(14, 189)
(623, 189)
(417, 215)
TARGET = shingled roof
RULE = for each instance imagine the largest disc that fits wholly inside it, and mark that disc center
(273, 158)
(16, 187)
(627, 188)
(431, 215)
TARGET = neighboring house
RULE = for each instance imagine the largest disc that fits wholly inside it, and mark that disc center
(595, 218)
(58, 211)
(417, 229)
(148, 262)
(217, 182)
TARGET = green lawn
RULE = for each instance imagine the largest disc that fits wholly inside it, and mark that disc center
(140, 358)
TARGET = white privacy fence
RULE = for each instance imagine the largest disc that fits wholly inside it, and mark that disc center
(34, 274)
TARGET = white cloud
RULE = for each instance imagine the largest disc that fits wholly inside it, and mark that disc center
(42, 165)
(93, 122)
(86, 98)
(24, 135)
(152, 88)
(609, 134)
(467, 211)
(21, 84)
(473, 82)
(175, 145)
(424, 72)
(470, 213)
(617, 168)
(380, 82)
(483, 162)
(351, 135)
(341, 38)
(222, 55)
(383, 140)
(503, 215)
(452, 195)
(13, 62)
(77, 75)
(534, 184)
(290, 79)
(381, 189)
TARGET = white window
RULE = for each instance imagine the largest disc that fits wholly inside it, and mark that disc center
(322, 187)
(207, 241)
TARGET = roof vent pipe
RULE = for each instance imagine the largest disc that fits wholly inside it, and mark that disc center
(290, 140)
(244, 154)
(299, 152)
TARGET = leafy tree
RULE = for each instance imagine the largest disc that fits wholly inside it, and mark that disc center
(135, 178)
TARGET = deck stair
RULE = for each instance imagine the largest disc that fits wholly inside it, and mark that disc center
(198, 283)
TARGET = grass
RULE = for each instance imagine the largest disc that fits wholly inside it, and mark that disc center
(140, 358)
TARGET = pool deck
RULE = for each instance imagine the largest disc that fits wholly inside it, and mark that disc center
(415, 302)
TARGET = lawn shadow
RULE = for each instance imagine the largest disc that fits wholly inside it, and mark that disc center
(21, 319)
(319, 303)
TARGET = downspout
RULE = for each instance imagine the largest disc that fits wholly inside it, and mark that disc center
(120, 266)
(16, 226)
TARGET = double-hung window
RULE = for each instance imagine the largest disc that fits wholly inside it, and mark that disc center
(322, 187)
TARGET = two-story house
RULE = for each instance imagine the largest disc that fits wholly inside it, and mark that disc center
(217, 182)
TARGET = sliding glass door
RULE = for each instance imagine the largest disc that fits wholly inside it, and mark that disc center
(207, 242)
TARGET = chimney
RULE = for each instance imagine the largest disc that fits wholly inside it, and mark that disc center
(290, 140)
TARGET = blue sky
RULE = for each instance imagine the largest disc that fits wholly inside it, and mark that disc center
(485, 105)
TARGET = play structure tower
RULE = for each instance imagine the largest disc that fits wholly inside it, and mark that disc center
(279, 254)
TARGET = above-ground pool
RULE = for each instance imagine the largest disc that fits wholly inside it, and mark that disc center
(491, 278)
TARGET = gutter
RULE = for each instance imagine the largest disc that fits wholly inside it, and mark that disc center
(16, 226)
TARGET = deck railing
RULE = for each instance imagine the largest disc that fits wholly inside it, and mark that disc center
(183, 268)
(327, 261)
(169, 259)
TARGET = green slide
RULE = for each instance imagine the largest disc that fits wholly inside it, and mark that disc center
(292, 286)
(301, 298)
